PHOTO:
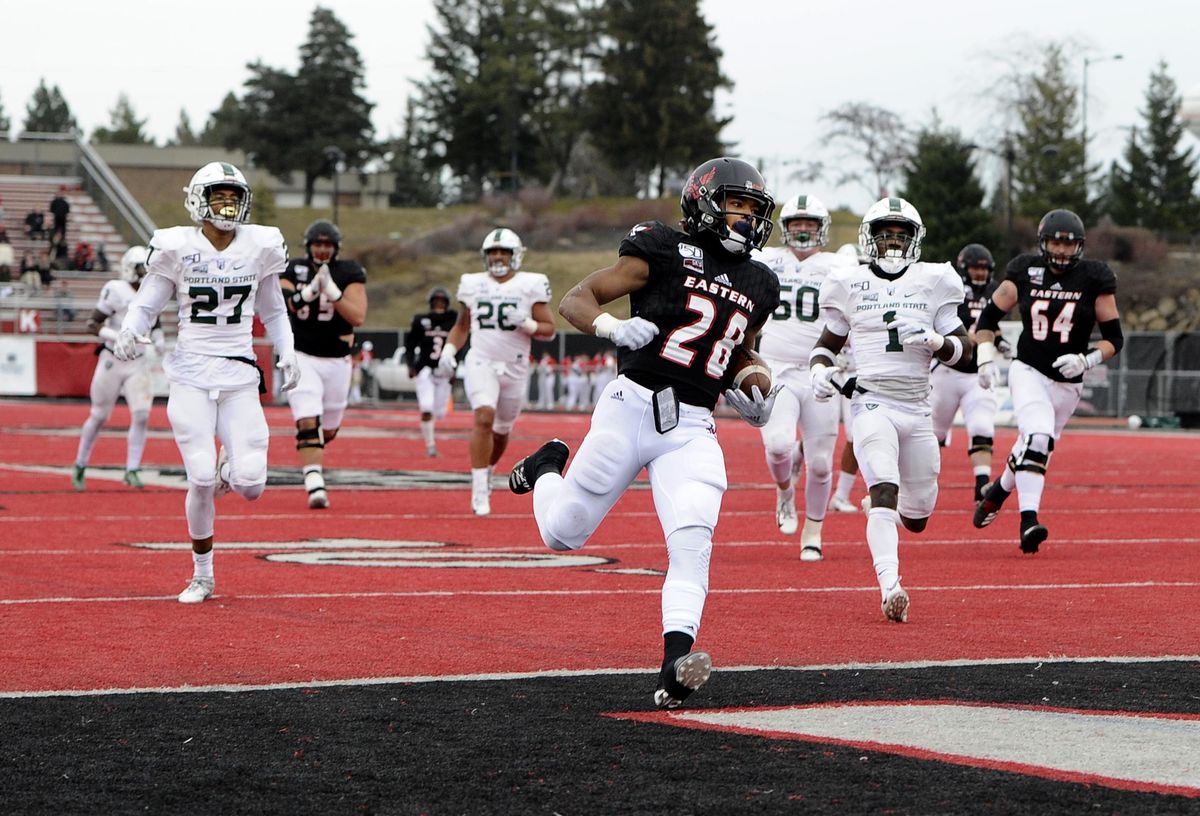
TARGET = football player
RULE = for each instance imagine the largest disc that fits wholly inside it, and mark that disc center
(502, 309)
(221, 272)
(422, 350)
(1061, 296)
(547, 374)
(114, 377)
(327, 298)
(899, 313)
(801, 265)
(694, 296)
(953, 388)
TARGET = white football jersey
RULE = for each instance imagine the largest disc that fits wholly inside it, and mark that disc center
(861, 300)
(114, 302)
(497, 309)
(216, 289)
(794, 327)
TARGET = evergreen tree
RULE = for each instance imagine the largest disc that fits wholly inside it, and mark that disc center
(1048, 172)
(222, 124)
(5, 123)
(286, 122)
(941, 182)
(417, 183)
(184, 135)
(48, 112)
(1157, 188)
(501, 98)
(124, 126)
(653, 110)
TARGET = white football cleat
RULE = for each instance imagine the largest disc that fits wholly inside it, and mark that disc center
(866, 503)
(895, 604)
(785, 511)
(839, 505)
(197, 591)
(318, 499)
(480, 504)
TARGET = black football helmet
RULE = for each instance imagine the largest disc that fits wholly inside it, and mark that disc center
(974, 255)
(1062, 225)
(322, 230)
(703, 203)
(438, 292)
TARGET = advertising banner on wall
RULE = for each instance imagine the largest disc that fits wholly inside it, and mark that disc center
(18, 365)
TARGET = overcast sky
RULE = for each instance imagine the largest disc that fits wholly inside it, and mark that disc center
(790, 62)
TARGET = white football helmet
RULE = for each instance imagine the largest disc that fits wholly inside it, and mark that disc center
(217, 174)
(810, 207)
(133, 264)
(501, 238)
(892, 210)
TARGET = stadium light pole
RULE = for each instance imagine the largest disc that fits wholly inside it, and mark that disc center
(335, 155)
(1083, 105)
(1008, 153)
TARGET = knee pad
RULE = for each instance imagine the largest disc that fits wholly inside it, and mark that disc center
(779, 445)
(596, 470)
(980, 444)
(1032, 454)
(101, 413)
(309, 437)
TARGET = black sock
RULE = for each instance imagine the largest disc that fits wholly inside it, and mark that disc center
(1028, 519)
(675, 646)
(980, 480)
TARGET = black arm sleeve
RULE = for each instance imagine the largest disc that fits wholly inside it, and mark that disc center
(1110, 330)
(990, 317)
(412, 341)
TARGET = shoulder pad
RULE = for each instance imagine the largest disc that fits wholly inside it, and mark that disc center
(170, 238)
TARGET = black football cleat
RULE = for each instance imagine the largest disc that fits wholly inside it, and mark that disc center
(1032, 535)
(551, 457)
(681, 678)
(993, 498)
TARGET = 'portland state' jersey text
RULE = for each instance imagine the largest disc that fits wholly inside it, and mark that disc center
(703, 300)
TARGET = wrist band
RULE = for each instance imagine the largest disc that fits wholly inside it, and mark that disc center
(956, 355)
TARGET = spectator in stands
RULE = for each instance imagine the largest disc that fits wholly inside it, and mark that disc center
(64, 306)
(2, 212)
(8, 259)
(60, 255)
(84, 258)
(101, 259)
(35, 225)
(3, 230)
(60, 208)
(31, 271)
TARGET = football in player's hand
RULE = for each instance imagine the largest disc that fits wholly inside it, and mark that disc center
(746, 370)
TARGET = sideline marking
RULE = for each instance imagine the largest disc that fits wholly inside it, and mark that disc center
(533, 675)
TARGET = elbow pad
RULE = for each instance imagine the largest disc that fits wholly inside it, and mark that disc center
(1110, 330)
(990, 317)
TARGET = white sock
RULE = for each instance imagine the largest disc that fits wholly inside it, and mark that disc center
(427, 431)
(138, 422)
(844, 484)
(202, 564)
(314, 478)
(479, 479)
(884, 540)
(1029, 490)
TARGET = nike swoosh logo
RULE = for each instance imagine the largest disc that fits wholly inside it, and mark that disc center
(906, 294)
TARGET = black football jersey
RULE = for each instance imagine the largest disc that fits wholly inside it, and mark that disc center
(1058, 309)
(423, 345)
(703, 299)
(318, 327)
(975, 297)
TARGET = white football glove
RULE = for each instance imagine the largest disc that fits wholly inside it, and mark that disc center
(289, 366)
(447, 362)
(1073, 365)
(632, 334)
(328, 288)
(989, 372)
(756, 410)
(524, 323)
(912, 333)
(125, 347)
(821, 376)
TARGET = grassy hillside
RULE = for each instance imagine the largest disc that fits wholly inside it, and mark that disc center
(408, 251)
